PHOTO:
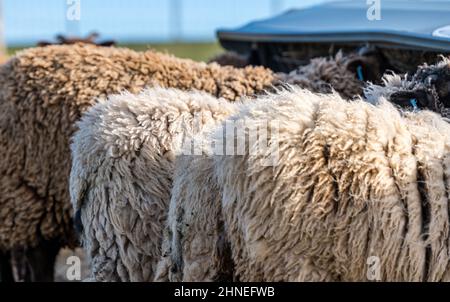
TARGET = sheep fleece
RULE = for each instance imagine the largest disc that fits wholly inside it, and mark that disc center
(44, 91)
(353, 181)
(122, 174)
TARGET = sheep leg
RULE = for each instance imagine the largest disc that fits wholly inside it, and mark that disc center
(35, 264)
(42, 260)
(5, 268)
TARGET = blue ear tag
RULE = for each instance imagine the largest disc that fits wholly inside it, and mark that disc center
(414, 104)
(359, 71)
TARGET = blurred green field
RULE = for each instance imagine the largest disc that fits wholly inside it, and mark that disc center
(194, 51)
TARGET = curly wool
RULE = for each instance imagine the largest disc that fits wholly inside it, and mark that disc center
(43, 93)
(353, 181)
(122, 174)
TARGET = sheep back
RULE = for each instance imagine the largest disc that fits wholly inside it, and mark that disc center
(353, 181)
(122, 174)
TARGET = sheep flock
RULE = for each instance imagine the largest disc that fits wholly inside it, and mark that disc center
(129, 155)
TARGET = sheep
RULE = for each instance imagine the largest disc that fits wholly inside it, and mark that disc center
(195, 243)
(195, 239)
(327, 74)
(43, 92)
(185, 199)
(367, 64)
(122, 170)
(406, 60)
(354, 182)
(426, 88)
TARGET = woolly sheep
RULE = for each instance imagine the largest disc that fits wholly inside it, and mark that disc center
(189, 180)
(208, 260)
(324, 74)
(196, 245)
(188, 253)
(353, 182)
(43, 92)
(122, 172)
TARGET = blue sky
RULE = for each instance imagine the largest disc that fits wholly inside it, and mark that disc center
(27, 21)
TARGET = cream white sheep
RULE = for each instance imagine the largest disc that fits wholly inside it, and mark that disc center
(122, 174)
(190, 254)
(354, 183)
